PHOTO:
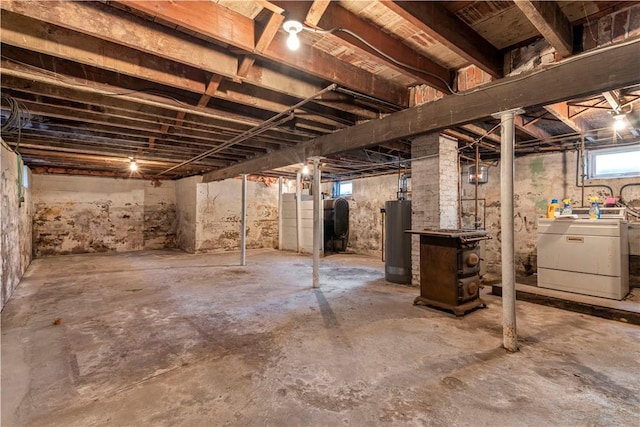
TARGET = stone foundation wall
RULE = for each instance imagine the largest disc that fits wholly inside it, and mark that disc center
(74, 214)
(15, 224)
(538, 179)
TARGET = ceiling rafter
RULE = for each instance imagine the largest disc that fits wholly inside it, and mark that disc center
(102, 22)
(435, 20)
(584, 75)
(336, 16)
(266, 37)
(549, 19)
(232, 28)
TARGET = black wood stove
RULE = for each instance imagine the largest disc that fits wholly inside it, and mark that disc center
(450, 269)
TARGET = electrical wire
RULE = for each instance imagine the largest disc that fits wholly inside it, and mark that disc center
(389, 57)
(19, 117)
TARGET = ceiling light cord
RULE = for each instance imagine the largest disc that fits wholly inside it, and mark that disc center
(390, 58)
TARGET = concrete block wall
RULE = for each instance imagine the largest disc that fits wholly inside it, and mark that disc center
(15, 224)
(434, 180)
(538, 179)
(79, 214)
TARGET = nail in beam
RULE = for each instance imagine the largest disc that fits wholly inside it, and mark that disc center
(507, 147)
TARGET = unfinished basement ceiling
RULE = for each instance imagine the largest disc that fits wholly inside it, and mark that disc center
(187, 88)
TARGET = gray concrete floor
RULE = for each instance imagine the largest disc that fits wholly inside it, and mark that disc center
(167, 338)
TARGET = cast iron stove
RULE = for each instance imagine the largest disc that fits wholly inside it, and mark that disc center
(450, 269)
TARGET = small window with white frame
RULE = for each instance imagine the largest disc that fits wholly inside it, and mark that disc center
(342, 188)
(618, 162)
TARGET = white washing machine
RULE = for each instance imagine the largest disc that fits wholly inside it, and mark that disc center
(584, 256)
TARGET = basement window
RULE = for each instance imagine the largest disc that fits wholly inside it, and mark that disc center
(342, 188)
(619, 162)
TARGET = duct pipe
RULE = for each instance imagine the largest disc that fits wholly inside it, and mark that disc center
(243, 235)
(280, 213)
(317, 236)
(299, 211)
(507, 150)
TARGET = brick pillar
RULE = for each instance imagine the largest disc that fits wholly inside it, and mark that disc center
(434, 189)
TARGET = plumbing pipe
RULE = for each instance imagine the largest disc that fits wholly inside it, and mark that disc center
(580, 164)
(507, 148)
(276, 120)
(243, 235)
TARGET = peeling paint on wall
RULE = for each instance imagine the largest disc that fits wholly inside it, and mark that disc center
(88, 214)
(538, 179)
(365, 219)
(218, 215)
(15, 225)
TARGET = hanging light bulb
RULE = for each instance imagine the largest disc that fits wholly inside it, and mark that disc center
(133, 166)
(305, 170)
(619, 122)
(293, 28)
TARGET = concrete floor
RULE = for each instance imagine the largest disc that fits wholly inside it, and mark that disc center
(167, 338)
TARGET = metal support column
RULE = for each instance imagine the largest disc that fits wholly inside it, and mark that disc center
(243, 234)
(507, 149)
(279, 213)
(317, 231)
(299, 211)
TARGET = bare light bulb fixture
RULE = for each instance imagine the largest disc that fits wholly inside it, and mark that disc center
(305, 170)
(293, 28)
(133, 166)
(619, 122)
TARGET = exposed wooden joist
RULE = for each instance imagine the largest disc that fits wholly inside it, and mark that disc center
(268, 33)
(317, 9)
(229, 27)
(336, 16)
(531, 129)
(552, 23)
(435, 20)
(63, 43)
(560, 110)
(583, 75)
(104, 22)
(142, 106)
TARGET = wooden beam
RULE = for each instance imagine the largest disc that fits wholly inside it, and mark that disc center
(552, 23)
(210, 91)
(269, 32)
(560, 111)
(108, 23)
(531, 129)
(230, 27)
(336, 16)
(141, 106)
(583, 75)
(316, 11)
(102, 22)
(435, 20)
(39, 36)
